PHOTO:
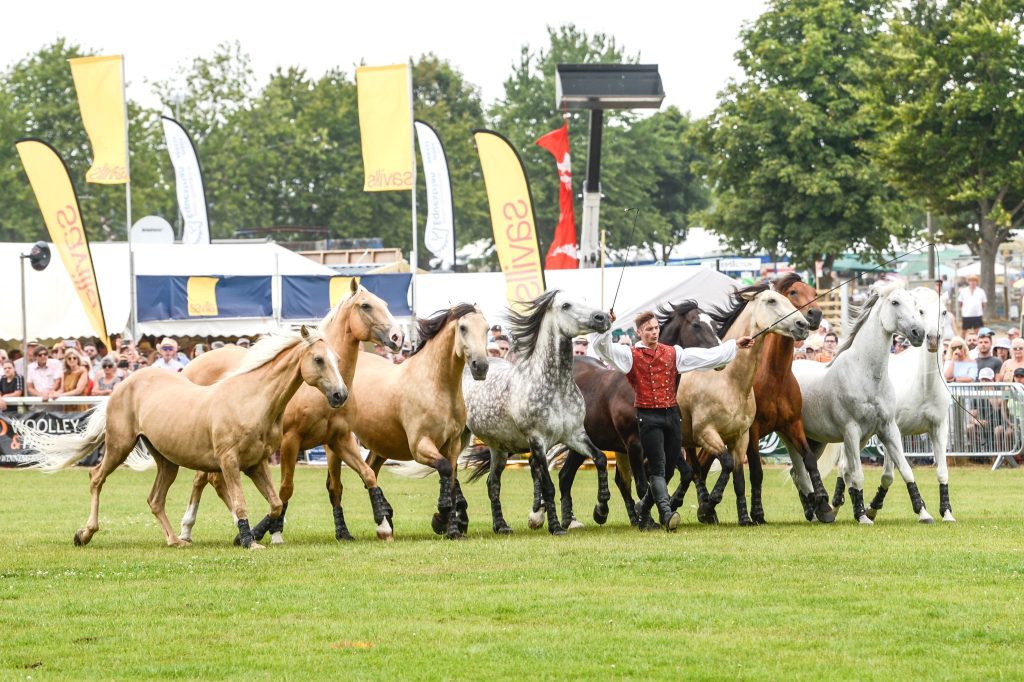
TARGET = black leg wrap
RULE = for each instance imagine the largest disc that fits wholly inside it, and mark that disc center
(756, 509)
(460, 501)
(262, 528)
(567, 514)
(837, 497)
(944, 503)
(340, 529)
(379, 505)
(879, 498)
(741, 512)
(808, 504)
(857, 498)
(915, 497)
(278, 525)
(244, 533)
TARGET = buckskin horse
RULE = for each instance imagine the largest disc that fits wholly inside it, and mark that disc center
(779, 405)
(309, 421)
(229, 427)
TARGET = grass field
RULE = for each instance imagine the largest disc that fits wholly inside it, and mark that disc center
(788, 600)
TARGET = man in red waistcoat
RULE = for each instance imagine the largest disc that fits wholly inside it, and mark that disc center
(651, 369)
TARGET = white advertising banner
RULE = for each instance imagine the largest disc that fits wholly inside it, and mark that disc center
(188, 179)
(439, 236)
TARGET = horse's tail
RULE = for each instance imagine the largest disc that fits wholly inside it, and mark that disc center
(479, 460)
(411, 469)
(55, 451)
(831, 458)
(557, 454)
(139, 458)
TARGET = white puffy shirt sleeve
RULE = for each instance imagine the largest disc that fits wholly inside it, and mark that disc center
(690, 359)
(618, 356)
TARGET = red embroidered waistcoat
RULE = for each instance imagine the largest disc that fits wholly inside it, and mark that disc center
(653, 376)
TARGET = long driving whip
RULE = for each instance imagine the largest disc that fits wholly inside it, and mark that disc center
(625, 260)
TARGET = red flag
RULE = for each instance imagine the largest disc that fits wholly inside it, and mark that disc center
(562, 254)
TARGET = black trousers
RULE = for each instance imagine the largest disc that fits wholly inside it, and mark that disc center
(660, 435)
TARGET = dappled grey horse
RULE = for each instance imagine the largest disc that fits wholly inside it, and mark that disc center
(535, 404)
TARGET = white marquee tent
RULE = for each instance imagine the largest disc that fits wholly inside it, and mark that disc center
(54, 310)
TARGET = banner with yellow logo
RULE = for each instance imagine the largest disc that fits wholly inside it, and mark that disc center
(515, 227)
(99, 82)
(385, 126)
(58, 203)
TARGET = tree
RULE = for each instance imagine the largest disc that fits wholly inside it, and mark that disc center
(945, 92)
(784, 146)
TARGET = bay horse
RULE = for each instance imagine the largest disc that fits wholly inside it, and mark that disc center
(922, 401)
(778, 407)
(852, 398)
(535, 404)
(416, 410)
(611, 416)
(229, 427)
(308, 420)
(718, 408)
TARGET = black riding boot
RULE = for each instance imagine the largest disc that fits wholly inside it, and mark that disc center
(669, 517)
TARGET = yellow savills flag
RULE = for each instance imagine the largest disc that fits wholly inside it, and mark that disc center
(57, 201)
(515, 229)
(99, 82)
(202, 296)
(385, 126)
(339, 289)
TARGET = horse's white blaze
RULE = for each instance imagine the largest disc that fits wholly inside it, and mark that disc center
(332, 362)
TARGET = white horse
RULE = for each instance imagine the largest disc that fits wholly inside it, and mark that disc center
(922, 399)
(852, 398)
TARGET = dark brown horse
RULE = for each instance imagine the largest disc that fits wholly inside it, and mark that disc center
(779, 405)
(611, 417)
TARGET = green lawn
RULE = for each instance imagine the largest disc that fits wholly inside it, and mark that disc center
(788, 600)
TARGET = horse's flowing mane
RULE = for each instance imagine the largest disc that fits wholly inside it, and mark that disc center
(269, 347)
(725, 318)
(786, 281)
(429, 327)
(525, 326)
(333, 312)
(668, 312)
(878, 292)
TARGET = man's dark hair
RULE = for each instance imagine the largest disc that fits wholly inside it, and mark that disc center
(833, 335)
(643, 318)
(502, 337)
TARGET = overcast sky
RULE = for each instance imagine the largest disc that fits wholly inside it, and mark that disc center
(693, 44)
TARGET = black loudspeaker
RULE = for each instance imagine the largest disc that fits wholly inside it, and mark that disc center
(39, 256)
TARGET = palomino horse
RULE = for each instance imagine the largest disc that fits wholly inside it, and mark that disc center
(718, 408)
(416, 411)
(852, 398)
(309, 420)
(922, 400)
(779, 403)
(611, 416)
(535, 404)
(229, 427)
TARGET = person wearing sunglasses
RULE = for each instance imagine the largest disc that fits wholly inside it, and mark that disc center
(44, 378)
(168, 356)
(959, 367)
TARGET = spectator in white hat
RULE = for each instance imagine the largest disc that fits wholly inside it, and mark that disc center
(169, 356)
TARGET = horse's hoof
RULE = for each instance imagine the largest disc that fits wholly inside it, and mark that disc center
(535, 520)
(872, 513)
(79, 540)
(255, 546)
(502, 529)
(746, 521)
(824, 513)
(557, 530)
(925, 517)
(343, 536)
(574, 524)
(438, 523)
(759, 520)
(463, 526)
(948, 516)
(237, 542)
(277, 538)
(707, 515)
(454, 535)
(865, 521)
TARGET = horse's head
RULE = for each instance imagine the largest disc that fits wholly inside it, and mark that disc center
(469, 335)
(933, 315)
(471, 343)
(685, 324)
(319, 367)
(572, 317)
(899, 313)
(368, 318)
(803, 297)
(770, 309)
